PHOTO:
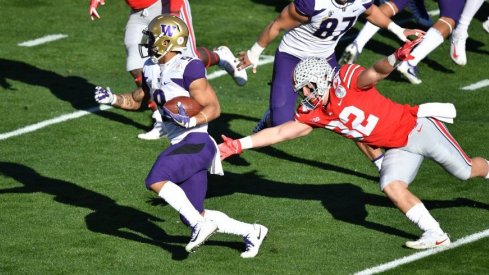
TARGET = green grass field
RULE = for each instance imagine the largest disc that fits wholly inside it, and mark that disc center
(72, 195)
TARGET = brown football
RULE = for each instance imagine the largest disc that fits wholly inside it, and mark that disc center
(192, 107)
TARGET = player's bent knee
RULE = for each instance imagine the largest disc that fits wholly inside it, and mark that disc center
(155, 186)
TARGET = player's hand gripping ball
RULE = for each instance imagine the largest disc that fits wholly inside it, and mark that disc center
(191, 106)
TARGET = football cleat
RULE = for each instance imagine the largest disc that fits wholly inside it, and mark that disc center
(429, 240)
(158, 130)
(485, 25)
(409, 72)
(263, 123)
(254, 240)
(457, 49)
(229, 63)
(350, 55)
(202, 231)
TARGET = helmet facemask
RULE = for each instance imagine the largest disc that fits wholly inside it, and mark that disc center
(165, 33)
(313, 75)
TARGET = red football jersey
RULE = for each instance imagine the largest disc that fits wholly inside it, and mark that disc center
(364, 115)
(140, 4)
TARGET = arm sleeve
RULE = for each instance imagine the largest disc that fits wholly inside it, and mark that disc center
(193, 71)
(349, 75)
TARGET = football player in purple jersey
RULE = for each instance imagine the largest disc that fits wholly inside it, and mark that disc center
(179, 174)
(142, 12)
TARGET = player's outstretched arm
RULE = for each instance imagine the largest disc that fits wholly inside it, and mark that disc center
(269, 136)
(286, 20)
(375, 16)
(382, 68)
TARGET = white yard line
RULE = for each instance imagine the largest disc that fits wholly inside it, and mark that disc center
(42, 40)
(424, 254)
(478, 85)
(34, 127)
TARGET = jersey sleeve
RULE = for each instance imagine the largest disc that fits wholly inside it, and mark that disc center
(367, 3)
(349, 75)
(305, 7)
(193, 71)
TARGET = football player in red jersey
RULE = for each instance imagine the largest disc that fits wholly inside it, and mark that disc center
(142, 12)
(349, 104)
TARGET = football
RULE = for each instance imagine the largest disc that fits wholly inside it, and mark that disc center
(192, 107)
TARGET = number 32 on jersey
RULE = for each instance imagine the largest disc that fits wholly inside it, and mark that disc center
(360, 125)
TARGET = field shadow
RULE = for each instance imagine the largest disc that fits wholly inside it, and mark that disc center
(345, 202)
(73, 89)
(108, 217)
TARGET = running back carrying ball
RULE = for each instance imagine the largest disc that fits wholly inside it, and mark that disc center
(191, 106)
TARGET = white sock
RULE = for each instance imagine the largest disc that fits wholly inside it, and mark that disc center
(420, 216)
(470, 9)
(177, 199)
(228, 225)
(367, 32)
(487, 176)
(431, 41)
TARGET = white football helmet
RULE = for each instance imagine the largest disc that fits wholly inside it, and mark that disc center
(165, 33)
(316, 74)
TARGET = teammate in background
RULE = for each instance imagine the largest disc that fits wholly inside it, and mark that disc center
(449, 14)
(313, 29)
(179, 175)
(348, 103)
(142, 12)
(460, 34)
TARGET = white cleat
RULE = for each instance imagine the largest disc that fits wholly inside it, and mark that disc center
(158, 130)
(350, 55)
(229, 63)
(254, 240)
(485, 25)
(457, 49)
(409, 72)
(202, 231)
(429, 240)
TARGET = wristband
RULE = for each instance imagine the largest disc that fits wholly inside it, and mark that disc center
(205, 116)
(246, 142)
(395, 29)
(192, 122)
(254, 53)
(392, 60)
(114, 99)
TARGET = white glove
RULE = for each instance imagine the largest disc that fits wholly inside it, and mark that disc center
(104, 95)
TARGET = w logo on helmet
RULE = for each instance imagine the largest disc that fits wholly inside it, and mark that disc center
(168, 30)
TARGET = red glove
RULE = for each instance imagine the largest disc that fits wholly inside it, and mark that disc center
(229, 147)
(92, 9)
(404, 52)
